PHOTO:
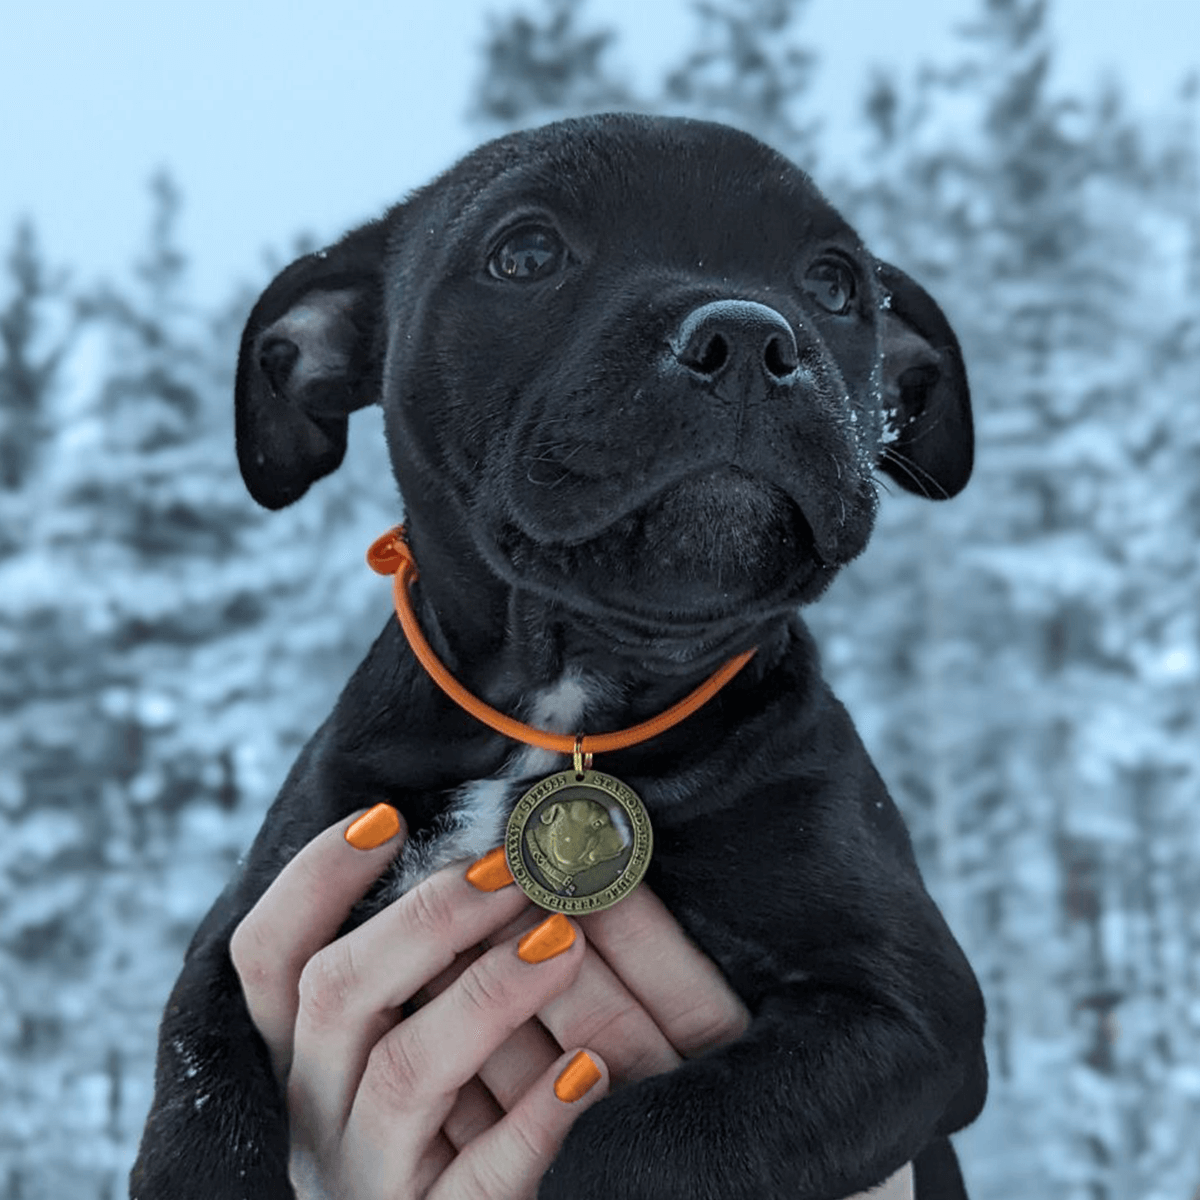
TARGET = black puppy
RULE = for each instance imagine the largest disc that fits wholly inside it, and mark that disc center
(637, 375)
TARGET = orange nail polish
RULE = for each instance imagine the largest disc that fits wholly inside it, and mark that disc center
(578, 1078)
(554, 935)
(491, 872)
(374, 828)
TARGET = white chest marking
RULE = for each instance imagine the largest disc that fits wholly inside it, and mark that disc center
(473, 822)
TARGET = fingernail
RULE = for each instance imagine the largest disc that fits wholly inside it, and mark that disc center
(491, 872)
(374, 828)
(554, 935)
(578, 1078)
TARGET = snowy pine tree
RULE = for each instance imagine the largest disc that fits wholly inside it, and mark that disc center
(165, 649)
(1048, 235)
(28, 366)
(545, 67)
(746, 69)
(749, 70)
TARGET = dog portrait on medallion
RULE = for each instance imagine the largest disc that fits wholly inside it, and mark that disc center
(638, 377)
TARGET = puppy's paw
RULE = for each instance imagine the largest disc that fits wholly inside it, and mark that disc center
(655, 1140)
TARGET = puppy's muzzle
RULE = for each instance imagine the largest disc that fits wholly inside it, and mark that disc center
(738, 340)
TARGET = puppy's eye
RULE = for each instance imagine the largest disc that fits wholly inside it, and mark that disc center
(531, 253)
(830, 282)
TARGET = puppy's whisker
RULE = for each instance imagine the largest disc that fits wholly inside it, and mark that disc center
(545, 483)
(551, 446)
(555, 459)
(903, 464)
(553, 456)
(929, 426)
(925, 483)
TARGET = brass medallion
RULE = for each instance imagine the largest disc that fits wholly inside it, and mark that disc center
(578, 842)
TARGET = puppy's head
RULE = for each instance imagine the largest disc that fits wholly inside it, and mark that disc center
(641, 364)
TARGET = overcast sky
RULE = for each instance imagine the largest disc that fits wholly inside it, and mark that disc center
(277, 116)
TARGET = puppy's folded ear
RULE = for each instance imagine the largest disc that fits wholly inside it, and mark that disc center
(930, 439)
(311, 354)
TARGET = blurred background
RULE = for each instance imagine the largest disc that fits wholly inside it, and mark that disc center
(1024, 663)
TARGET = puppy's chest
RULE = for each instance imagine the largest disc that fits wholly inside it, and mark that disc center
(471, 824)
(473, 818)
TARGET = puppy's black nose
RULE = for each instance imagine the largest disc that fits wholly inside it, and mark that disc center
(732, 335)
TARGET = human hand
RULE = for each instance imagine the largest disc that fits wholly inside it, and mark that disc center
(456, 1100)
(384, 1107)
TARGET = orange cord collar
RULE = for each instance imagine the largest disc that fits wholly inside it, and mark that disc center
(391, 555)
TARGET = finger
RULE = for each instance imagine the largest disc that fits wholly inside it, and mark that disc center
(351, 990)
(514, 1066)
(507, 1161)
(474, 1111)
(682, 989)
(300, 912)
(599, 1011)
(414, 1073)
(529, 1051)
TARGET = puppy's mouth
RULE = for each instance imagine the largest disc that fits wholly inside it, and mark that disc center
(705, 549)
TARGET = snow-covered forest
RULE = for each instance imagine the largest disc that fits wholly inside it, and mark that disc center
(1024, 663)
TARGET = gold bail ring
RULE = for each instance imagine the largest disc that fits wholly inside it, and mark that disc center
(583, 762)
